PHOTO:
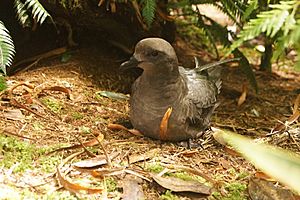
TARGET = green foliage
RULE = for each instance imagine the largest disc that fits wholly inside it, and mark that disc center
(77, 115)
(269, 22)
(15, 151)
(7, 48)
(148, 11)
(54, 105)
(272, 160)
(281, 23)
(169, 196)
(236, 191)
(30, 8)
(38, 11)
(22, 13)
(3, 85)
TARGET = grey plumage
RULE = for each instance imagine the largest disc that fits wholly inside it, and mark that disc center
(191, 93)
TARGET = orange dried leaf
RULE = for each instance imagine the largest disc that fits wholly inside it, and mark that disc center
(262, 175)
(164, 124)
(116, 127)
(243, 96)
(76, 188)
(135, 132)
(60, 89)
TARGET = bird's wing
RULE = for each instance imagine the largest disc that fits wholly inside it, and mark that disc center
(202, 94)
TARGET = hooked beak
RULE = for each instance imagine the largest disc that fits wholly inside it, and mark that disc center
(131, 63)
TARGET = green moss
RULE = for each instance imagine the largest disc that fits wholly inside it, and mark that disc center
(154, 167)
(52, 104)
(77, 115)
(16, 151)
(3, 84)
(85, 129)
(111, 184)
(25, 154)
(236, 191)
(169, 196)
(63, 195)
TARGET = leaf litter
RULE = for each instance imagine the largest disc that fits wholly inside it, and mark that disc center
(211, 166)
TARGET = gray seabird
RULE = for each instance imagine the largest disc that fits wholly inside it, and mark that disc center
(169, 102)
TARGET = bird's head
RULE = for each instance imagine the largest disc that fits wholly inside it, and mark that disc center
(153, 55)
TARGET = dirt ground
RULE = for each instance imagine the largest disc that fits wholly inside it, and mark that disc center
(79, 113)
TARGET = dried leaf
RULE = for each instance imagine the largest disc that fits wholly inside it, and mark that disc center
(121, 127)
(142, 157)
(100, 2)
(116, 127)
(60, 89)
(262, 189)
(14, 114)
(136, 7)
(231, 151)
(164, 15)
(113, 7)
(90, 143)
(291, 119)
(262, 175)
(132, 190)
(76, 188)
(243, 96)
(135, 132)
(94, 162)
(179, 185)
(102, 172)
(164, 124)
(294, 117)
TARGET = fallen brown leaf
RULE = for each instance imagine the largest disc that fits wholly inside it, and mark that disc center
(94, 162)
(179, 185)
(76, 188)
(60, 89)
(262, 189)
(243, 96)
(262, 175)
(14, 114)
(131, 189)
(121, 127)
(90, 143)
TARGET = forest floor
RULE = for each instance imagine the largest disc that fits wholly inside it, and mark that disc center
(67, 104)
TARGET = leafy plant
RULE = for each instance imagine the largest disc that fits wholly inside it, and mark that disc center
(7, 48)
(281, 24)
(148, 10)
(272, 160)
(31, 8)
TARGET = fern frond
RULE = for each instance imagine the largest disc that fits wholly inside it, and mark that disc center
(21, 12)
(249, 10)
(268, 22)
(7, 48)
(148, 10)
(38, 11)
(231, 8)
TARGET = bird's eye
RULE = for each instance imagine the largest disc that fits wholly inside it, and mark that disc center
(154, 53)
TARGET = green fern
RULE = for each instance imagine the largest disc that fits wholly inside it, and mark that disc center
(7, 48)
(37, 10)
(22, 13)
(268, 22)
(148, 11)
